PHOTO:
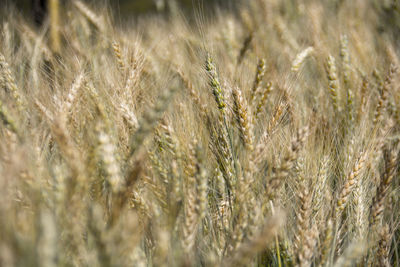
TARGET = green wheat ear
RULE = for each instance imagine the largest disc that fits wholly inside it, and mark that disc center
(7, 120)
(150, 119)
(215, 84)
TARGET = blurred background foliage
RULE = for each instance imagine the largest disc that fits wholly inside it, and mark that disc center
(128, 8)
(388, 11)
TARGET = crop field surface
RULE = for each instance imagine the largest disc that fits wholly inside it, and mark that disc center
(260, 133)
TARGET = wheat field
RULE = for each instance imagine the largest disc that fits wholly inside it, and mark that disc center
(262, 135)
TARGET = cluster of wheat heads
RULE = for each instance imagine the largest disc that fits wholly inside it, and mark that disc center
(265, 136)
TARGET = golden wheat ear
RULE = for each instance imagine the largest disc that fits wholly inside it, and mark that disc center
(10, 84)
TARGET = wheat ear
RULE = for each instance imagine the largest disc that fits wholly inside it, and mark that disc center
(215, 84)
(243, 120)
(333, 81)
